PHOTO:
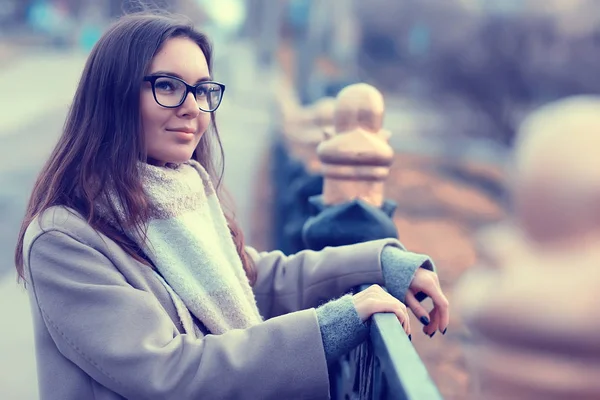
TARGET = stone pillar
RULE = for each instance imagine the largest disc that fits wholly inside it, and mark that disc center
(289, 116)
(314, 125)
(355, 162)
(302, 137)
(532, 308)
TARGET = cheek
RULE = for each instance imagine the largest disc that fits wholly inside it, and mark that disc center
(146, 113)
(204, 121)
(152, 115)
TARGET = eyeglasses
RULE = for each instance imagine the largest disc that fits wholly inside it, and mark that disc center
(171, 92)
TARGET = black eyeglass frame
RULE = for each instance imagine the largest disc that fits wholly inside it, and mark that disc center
(188, 89)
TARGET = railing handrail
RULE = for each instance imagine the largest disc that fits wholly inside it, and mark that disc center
(406, 375)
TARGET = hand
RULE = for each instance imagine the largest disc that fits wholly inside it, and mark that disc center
(375, 300)
(427, 282)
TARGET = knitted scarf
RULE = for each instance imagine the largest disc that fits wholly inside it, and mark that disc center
(190, 244)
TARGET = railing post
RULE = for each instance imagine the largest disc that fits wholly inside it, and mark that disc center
(290, 115)
(532, 307)
(355, 162)
(304, 129)
(312, 126)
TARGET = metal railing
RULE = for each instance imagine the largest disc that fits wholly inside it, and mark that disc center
(398, 372)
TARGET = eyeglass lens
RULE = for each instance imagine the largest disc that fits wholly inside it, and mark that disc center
(171, 92)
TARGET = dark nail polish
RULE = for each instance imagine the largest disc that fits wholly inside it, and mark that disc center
(424, 320)
(410, 337)
(432, 334)
(443, 333)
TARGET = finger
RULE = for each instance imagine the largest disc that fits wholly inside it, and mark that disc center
(444, 316)
(383, 302)
(402, 314)
(390, 304)
(406, 321)
(400, 310)
(440, 303)
(417, 308)
(433, 325)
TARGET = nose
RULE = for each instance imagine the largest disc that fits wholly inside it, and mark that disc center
(189, 108)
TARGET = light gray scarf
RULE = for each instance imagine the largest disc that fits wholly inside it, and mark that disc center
(190, 244)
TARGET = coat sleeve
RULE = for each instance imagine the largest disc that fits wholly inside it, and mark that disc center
(122, 337)
(309, 278)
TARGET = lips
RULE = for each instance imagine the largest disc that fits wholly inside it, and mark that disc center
(186, 130)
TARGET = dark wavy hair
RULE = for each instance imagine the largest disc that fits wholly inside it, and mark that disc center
(102, 139)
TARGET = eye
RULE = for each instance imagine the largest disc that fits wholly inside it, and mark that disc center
(167, 85)
(164, 85)
(201, 91)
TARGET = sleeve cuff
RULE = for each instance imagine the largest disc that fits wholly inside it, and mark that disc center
(341, 327)
(399, 267)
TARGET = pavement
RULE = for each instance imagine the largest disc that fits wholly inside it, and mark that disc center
(36, 91)
(7, 53)
(38, 88)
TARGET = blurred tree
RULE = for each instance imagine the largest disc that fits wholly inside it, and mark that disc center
(483, 70)
(16, 12)
(510, 65)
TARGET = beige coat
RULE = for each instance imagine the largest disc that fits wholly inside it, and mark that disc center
(106, 328)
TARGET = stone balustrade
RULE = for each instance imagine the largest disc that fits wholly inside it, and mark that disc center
(532, 304)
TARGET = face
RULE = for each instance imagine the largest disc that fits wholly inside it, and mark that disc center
(172, 134)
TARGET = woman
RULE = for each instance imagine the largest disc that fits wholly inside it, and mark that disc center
(142, 288)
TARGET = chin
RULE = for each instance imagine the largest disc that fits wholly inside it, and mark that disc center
(177, 157)
(180, 160)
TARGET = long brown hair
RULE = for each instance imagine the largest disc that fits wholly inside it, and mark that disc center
(102, 139)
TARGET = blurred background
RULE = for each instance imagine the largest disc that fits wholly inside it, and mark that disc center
(457, 77)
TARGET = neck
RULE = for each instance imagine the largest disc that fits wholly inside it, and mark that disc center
(155, 162)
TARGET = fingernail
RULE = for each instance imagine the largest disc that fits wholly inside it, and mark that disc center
(444, 332)
(410, 337)
(432, 334)
(424, 320)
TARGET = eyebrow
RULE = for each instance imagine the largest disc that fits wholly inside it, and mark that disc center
(204, 79)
